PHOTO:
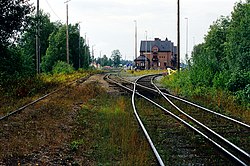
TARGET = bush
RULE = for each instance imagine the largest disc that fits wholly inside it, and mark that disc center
(62, 68)
(238, 81)
(244, 96)
(220, 80)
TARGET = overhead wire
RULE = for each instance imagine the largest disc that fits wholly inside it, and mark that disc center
(52, 9)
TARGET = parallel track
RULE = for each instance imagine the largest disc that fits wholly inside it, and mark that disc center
(235, 153)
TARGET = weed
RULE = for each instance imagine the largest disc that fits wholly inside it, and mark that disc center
(75, 144)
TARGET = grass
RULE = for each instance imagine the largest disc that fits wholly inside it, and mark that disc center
(133, 73)
(81, 125)
(215, 99)
(21, 92)
(111, 133)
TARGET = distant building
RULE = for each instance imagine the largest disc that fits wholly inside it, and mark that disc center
(157, 54)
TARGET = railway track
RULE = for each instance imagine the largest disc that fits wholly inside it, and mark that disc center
(19, 110)
(189, 132)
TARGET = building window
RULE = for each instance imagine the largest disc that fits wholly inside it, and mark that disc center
(159, 64)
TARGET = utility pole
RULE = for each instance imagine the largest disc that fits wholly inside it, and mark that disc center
(100, 58)
(85, 49)
(79, 45)
(135, 39)
(88, 54)
(187, 38)
(67, 30)
(93, 52)
(38, 52)
(178, 35)
(146, 49)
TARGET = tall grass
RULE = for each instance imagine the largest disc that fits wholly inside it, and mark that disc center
(16, 93)
(116, 137)
(216, 99)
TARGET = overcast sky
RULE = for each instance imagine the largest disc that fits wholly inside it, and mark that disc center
(109, 24)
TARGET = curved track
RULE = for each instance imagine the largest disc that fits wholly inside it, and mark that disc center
(191, 119)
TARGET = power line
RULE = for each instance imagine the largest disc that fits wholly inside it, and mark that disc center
(52, 10)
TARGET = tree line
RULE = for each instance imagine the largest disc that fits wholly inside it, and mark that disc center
(18, 30)
(222, 60)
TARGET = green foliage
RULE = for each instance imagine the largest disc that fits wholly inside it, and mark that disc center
(116, 57)
(220, 80)
(57, 49)
(238, 81)
(13, 20)
(238, 50)
(222, 61)
(244, 95)
(74, 146)
(62, 68)
(180, 83)
(28, 39)
(13, 16)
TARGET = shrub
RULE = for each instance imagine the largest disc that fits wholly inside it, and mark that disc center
(63, 68)
(220, 80)
(238, 81)
(243, 96)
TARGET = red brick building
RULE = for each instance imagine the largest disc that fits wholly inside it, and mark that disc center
(156, 54)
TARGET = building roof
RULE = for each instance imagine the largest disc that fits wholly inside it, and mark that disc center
(163, 46)
(141, 58)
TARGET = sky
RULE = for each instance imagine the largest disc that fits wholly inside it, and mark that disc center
(110, 25)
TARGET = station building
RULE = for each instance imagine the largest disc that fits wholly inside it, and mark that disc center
(156, 54)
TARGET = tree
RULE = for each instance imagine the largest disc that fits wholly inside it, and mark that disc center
(13, 16)
(57, 49)
(28, 38)
(116, 57)
(13, 19)
(222, 61)
(238, 49)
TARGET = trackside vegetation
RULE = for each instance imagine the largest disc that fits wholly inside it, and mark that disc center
(108, 133)
(218, 72)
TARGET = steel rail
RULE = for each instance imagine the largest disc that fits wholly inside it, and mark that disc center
(195, 105)
(144, 129)
(241, 151)
(158, 157)
(185, 123)
(33, 102)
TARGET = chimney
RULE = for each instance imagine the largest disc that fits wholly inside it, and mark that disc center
(157, 39)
